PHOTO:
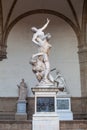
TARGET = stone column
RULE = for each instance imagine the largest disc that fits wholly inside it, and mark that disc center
(3, 47)
(83, 71)
(1, 30)
(83, 51)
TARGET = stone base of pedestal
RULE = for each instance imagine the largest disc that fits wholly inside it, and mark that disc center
(21, 106)
(65, 115)
(20, 116)
(45, 117)
(21, 110)
(64, 106)
(45, 122)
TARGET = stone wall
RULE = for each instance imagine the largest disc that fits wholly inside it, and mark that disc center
(73, 125)
(30, 107)
(15, 125)
(8, 108)
(27, 125)
(79, 107)
(7, 104)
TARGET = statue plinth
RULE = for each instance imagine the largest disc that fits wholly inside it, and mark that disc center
(64, 106)
(44, 89)
(45, 116)
(21, 106)
(21, 110)
(45, 85)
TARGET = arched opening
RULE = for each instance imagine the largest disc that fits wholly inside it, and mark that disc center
(42, 11)
(63, 55)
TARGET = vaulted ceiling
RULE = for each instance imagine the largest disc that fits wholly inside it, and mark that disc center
(69, 8)
(11, 11)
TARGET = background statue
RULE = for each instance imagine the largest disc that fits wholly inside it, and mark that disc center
(22, 90)
(60, 81)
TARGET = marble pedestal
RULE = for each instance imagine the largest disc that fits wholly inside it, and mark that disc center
(21, 110)
(45, 117)
(64, 106)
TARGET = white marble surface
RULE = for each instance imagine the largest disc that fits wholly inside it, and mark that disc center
(21, 107)
(65, 115)
(45, 122)
(64, 112)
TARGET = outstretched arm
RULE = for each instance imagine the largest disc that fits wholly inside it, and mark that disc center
(37, 54)
(45, 25)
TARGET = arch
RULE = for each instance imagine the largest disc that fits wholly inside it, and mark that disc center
(45, 11)
(64, 47)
